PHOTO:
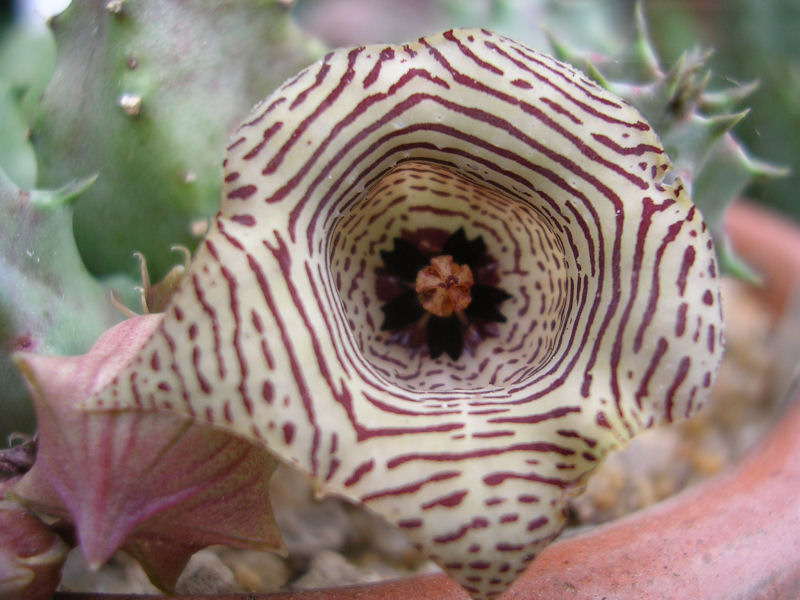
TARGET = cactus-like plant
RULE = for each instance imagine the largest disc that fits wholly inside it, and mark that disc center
(49, 303)
(694, 123)
(144, 95)
(751, 41)
(27, 59)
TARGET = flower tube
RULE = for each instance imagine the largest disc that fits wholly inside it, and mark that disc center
(446, 278)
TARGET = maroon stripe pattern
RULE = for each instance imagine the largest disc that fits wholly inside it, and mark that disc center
(614, 324)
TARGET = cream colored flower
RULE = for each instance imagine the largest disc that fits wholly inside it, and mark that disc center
(612, 322)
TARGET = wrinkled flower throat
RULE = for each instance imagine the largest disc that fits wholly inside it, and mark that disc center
(426, 212)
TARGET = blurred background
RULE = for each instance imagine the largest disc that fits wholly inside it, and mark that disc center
(751, 40)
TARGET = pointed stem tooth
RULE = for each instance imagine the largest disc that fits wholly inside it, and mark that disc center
(131, 104)
(67, 194)
(731, 264)
(712, 102)
(698, 89)
(643, 45)
(673, 78)
(559, 49)
(595, 75)
(764, 170)
(722, 124)
(702, 56)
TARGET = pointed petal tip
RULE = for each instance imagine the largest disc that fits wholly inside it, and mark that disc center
(43, 372)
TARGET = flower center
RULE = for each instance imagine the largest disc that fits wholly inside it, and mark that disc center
(443, 287)
(442, 297)
(448, 283)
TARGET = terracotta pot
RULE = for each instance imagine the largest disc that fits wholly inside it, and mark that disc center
(771, 245)
(735, 536)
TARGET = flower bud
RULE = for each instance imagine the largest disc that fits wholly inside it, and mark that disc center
(31, 555)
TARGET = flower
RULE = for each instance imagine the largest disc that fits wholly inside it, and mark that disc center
(155, 484)
(613, 324)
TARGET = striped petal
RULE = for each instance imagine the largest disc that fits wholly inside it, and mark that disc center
(613, 324)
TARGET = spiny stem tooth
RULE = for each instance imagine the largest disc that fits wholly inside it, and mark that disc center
(131, 104)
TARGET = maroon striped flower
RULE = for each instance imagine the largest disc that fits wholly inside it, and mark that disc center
(613, 323)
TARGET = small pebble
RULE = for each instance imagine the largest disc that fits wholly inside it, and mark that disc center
(328, 568)
(206, 574)
(257, 571)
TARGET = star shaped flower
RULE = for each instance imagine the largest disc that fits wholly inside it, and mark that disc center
(613, 323)
(157, 485)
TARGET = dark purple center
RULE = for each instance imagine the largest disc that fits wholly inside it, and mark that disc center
(409, 323)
